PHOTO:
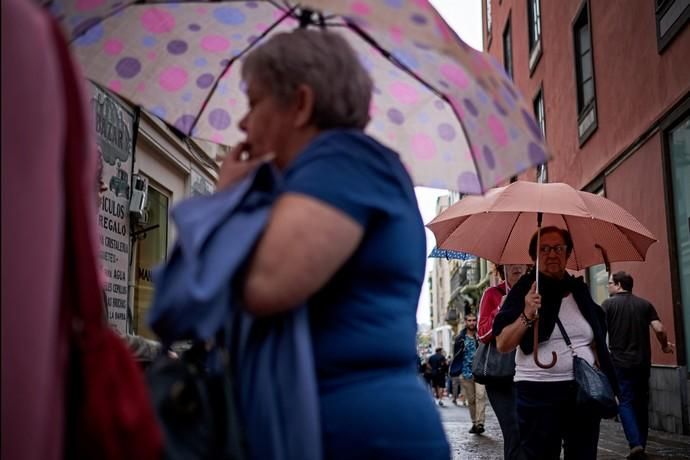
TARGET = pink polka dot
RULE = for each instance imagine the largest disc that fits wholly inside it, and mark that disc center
(423, 146)
(455, 75)
(115, 85)
(404, 93)
(423, 4)
(373, 109)
(173, 78)
(360, 8)
(85, 5)
(157, 20)
(232, 102)
(217, 138)
(396, 34)
(113, 47)
(215, 43)
(261, 27)
(498, 131)
(141, 87)
(152, 55)
(201, 10)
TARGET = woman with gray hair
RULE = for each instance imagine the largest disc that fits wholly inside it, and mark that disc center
(345, 237)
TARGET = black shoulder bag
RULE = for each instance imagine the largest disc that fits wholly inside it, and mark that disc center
(594, 391)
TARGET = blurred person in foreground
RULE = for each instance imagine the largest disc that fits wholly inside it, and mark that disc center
(345, 237)
(548, 415)
(628, 318)
(501, 394)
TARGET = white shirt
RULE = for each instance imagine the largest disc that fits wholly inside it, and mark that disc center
(581, 337)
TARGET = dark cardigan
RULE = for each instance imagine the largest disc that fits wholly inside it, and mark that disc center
(552, 292)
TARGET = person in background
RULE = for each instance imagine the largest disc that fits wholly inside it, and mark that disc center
(501, 394)
(474, 392)
(628, 318)
(438, 365)
(548, 415)
(309, 100)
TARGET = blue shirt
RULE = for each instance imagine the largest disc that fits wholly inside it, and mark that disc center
(363, 321)
(468, 356)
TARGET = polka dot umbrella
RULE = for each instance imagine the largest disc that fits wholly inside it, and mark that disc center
(451, 112)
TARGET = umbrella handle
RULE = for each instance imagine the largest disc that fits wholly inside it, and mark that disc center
(554, 357)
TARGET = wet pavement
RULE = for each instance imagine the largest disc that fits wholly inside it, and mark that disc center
(489, 445)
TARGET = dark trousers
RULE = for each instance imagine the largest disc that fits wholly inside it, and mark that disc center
(549, 418)
(502, 398)
(633, 403)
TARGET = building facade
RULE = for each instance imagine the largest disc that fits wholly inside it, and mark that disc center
(146, 167)
(610, 86)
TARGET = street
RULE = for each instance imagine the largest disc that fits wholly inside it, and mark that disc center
(489, 445)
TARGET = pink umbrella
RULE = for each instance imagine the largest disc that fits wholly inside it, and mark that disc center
(450, 111)
(499, 225)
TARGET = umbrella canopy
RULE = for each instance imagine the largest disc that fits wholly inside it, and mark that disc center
(451, 111)
(450, 254)
(499, 225)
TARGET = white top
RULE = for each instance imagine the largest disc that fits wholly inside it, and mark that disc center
(581, 336)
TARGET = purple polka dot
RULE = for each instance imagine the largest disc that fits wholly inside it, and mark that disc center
(421, 46)
(194, 27)
(419, 19)
(377, 90)
(128, 67)
(439, 104)
(219, 119)
(468, 183)
(532, 125)
(205, 80)
(536, 154)
(470, 107)
(444, 83)
(184, 123)
(489, 157)
(446, 132)
(88, 25)
(499, 108)
(177, 47)
(251, 5)
(395, 116)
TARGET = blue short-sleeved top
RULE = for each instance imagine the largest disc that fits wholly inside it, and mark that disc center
(363, 321)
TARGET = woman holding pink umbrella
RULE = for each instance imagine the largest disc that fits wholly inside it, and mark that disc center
(548, 415)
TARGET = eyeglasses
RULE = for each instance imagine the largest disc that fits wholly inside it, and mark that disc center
(558, 249)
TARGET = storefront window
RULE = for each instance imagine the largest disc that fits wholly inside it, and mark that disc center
(151, 249)
(679, 148)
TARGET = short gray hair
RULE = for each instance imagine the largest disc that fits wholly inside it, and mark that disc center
(326, 63)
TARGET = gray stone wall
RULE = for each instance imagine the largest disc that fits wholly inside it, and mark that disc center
(668, 399)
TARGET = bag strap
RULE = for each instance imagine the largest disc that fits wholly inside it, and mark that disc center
(565, 336)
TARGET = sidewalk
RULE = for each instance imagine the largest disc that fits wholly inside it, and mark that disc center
(660, 445)
(612, 443)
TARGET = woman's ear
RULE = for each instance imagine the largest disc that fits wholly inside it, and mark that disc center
(304, 106)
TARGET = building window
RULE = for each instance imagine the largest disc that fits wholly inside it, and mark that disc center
(151, 250)
(597, 276)
(534, 32)
(671, 17)
(539, 115)
(488, 23)
(508, 50)
(584, 74)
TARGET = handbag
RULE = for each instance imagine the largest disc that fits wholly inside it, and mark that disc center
(594, 391)
(490, 366)
(195, 402)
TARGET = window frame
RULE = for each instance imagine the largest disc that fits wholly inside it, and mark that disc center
(540, 95)
(590, 109)
(508, 30)
(660, 9)
(488, 22)
(535, 49)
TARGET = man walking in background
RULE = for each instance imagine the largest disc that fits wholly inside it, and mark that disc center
(466, 346)
(439, 368)
(628, 319)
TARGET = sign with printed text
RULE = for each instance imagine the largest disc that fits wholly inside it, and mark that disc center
(114, 133)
